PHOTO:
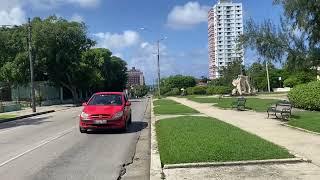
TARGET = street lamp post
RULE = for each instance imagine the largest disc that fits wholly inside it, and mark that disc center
(268, 79)
(31, 67)
(31, 64)
(158, 67)
(158, 58)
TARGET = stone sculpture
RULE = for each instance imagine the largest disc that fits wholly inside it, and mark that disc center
(241, 85)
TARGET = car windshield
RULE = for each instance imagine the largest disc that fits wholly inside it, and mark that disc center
(106, 99)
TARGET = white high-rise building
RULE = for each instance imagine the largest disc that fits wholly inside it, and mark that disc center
(225, 24)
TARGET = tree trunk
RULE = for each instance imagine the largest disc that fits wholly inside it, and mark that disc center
(75, 95)
(73, 91)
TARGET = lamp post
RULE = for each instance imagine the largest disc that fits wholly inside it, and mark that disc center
(158, 57)
(31, 64)
(268, 79)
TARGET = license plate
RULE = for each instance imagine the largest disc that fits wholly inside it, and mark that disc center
(100, 122)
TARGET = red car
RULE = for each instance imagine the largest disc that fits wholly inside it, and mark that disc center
(106, 110)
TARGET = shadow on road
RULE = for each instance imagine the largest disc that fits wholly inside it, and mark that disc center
(25, 122)
(136, 126)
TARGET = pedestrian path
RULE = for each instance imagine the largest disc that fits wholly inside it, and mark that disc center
(298, 142)
(28, 111)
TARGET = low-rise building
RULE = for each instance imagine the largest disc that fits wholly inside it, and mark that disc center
(135, 77)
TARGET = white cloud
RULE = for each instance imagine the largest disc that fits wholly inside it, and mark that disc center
(14, 16)
(118, 55)
(86, 3)
(194, 63)
(187, 16)
(116, 41)
(54, 3)
(77, 18)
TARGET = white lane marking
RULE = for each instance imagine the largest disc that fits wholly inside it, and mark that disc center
(44, 142)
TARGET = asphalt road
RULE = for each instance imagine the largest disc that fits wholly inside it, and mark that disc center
(51, 147)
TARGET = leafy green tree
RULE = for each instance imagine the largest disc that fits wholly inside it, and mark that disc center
(304, 14)
(228, 74)
(115, 74)
(140, 91)
(58, 47)
(62, 54)
(14, 62)
(177, 81)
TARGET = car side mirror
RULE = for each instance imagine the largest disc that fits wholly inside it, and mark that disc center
(128, 103)
(84, 104)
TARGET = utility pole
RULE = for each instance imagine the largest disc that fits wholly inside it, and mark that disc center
(158, 66)
(31, 67)
(268, 79)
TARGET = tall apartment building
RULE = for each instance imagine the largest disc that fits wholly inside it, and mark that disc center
(135, 77)
(225, 24)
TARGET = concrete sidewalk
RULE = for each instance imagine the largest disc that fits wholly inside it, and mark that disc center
(40, 110)
(298, 142)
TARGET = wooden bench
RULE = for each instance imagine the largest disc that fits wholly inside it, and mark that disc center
(282, 110)
(240, 104)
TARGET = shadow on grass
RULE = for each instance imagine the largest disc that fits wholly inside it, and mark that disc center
(25, 122)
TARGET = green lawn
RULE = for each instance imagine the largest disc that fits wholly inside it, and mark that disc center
(202, 139)
(169, 107)
(6, 116)
(256, 104)
(306, 120)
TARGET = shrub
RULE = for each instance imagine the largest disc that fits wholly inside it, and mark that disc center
(189, 91)
(291, 82)
(306, 96)
(218, 90)
(199, 90)
(173, 92)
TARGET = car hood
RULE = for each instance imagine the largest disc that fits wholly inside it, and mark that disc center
(102, 109)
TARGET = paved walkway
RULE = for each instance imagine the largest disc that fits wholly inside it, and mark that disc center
(298, 142)
(39, 109)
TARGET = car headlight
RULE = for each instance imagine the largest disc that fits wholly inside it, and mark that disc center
(84, 116)
(118, 115)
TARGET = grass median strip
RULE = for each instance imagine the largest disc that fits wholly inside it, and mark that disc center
(6, 116)
(201, 139)
(255, 104)
(170, 107)
(306, 120)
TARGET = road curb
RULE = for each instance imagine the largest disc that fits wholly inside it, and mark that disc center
(156, 172)
(235, 163)
(26, 116)
(300, 129)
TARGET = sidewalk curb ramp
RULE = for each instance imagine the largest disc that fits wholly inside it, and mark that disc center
(26, 116)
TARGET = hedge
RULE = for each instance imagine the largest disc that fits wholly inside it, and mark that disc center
(306, 96)
(199, 90)
(189, 91)
(173, 92)
(212, 90)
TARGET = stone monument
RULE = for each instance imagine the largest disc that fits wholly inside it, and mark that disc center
(242, 86)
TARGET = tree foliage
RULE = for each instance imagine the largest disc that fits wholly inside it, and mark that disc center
(304, 14)
(229, 73)
(62, 54)
(177, 81)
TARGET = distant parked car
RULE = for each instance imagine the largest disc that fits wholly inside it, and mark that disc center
(106, 110)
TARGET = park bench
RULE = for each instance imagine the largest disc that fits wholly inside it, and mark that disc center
(239, 103)
(282, 110)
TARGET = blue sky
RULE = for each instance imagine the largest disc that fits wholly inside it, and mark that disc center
(116, 24)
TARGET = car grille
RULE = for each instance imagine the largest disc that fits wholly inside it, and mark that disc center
(100, 116)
